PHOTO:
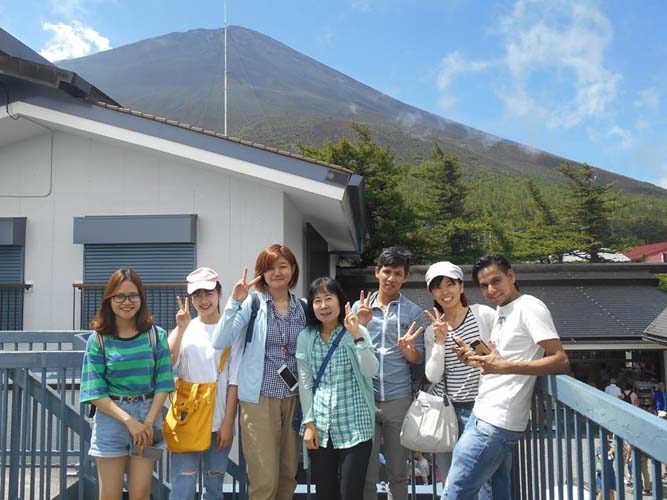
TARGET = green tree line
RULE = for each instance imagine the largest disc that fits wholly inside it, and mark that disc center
(442, 209)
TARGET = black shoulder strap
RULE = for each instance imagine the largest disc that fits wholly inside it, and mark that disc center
(253, 315)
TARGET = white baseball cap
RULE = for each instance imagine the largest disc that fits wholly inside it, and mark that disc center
(443, 268)
(202, 278)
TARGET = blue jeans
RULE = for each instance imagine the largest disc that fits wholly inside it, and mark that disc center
(185, 472)
(444, 460)
(483, 452)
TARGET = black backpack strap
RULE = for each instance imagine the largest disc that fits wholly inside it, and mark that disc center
(253, 316)
(304, 307)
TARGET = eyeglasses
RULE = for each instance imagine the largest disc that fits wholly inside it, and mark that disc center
(121, 297)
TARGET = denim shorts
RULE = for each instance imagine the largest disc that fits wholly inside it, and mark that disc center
(110, 437)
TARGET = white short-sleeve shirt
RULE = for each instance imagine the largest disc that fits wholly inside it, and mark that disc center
(198, 362)
(504, 400)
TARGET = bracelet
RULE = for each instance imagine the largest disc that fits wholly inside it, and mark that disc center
(359, 340)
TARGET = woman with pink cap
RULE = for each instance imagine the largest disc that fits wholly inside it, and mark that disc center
(453, 318)
(196, 360)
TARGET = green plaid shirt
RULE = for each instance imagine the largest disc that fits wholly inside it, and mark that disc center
(339, 409)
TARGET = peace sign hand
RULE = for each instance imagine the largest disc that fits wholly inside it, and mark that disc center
(183, 315)
(242, 287)
(440, 325)
(407, 341)
(365, 312)
(351, 322)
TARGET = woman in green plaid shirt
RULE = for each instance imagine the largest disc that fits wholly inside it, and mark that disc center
(339, 414)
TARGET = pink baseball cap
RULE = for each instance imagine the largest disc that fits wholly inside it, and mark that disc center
(202, 278)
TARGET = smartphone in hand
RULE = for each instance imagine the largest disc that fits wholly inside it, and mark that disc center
(151, 452)
(480, 347)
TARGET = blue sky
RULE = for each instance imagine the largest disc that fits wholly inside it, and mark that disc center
(583, 79)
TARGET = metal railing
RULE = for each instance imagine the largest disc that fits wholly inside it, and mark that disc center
(161, 298)
(11, 305)
(44, 435)
(570, 424)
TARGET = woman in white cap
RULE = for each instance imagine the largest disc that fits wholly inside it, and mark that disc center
(452, 318)
(195, 359)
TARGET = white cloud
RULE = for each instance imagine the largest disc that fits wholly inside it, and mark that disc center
(626, 138)
(662, 176)
(68, 8)
(72, 40)
(362, 5)
(326, 37)
(554, 55)
(648, 98)
(452, 67)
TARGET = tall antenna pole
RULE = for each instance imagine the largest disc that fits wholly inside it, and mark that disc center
(225, 67)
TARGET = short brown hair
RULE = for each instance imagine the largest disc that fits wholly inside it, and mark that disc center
(268, 257)
(105, 319)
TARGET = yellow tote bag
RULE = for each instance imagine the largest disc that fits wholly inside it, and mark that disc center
(187, 426)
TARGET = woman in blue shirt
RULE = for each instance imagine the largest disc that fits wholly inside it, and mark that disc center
(270, 320)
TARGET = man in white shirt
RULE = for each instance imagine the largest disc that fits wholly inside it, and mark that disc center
(523, 344)
(612, 389)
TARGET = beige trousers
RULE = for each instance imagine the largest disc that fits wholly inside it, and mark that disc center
(270, 447)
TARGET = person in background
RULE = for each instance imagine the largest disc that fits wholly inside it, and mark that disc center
(422, 468)
(630, 396)
(338, 413)
(127, 375)
(195, 360)
(393, 322)
(453, 317)
(268, 404)
(612, 389)
(660, 399)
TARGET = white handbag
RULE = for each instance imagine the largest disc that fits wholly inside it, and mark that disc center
(430, 424)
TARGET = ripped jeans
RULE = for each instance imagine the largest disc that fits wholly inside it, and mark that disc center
(185, 472)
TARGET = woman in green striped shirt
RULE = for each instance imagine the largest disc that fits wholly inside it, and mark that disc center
(339, 412)
(127, 375)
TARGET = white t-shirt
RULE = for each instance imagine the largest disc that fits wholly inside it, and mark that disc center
(504, 400)
(198, 362)
(613, 390)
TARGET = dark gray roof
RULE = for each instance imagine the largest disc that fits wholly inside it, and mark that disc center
(15, 48)
(657, 330)
(588, 302)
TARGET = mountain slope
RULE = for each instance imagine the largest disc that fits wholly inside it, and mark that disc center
(278, 96)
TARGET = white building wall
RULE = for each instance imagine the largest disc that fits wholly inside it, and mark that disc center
(236, 219)
(294, 238)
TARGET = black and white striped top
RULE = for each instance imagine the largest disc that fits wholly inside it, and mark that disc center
(462, 380)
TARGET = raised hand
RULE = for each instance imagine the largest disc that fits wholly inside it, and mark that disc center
(365, 312)
(183, 315)
(492, 362)
(407, 341)
(351, 322)
(242, 287)
(440, 325)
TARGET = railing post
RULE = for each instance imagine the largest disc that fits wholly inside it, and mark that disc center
(15, 436)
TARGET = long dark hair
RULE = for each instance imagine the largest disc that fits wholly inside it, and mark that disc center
(325, 284)
(105, 319)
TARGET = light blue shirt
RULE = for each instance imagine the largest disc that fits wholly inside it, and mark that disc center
(234, 322)
(393, 380)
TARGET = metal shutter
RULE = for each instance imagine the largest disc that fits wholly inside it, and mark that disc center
(11, 299)
(154, 262)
